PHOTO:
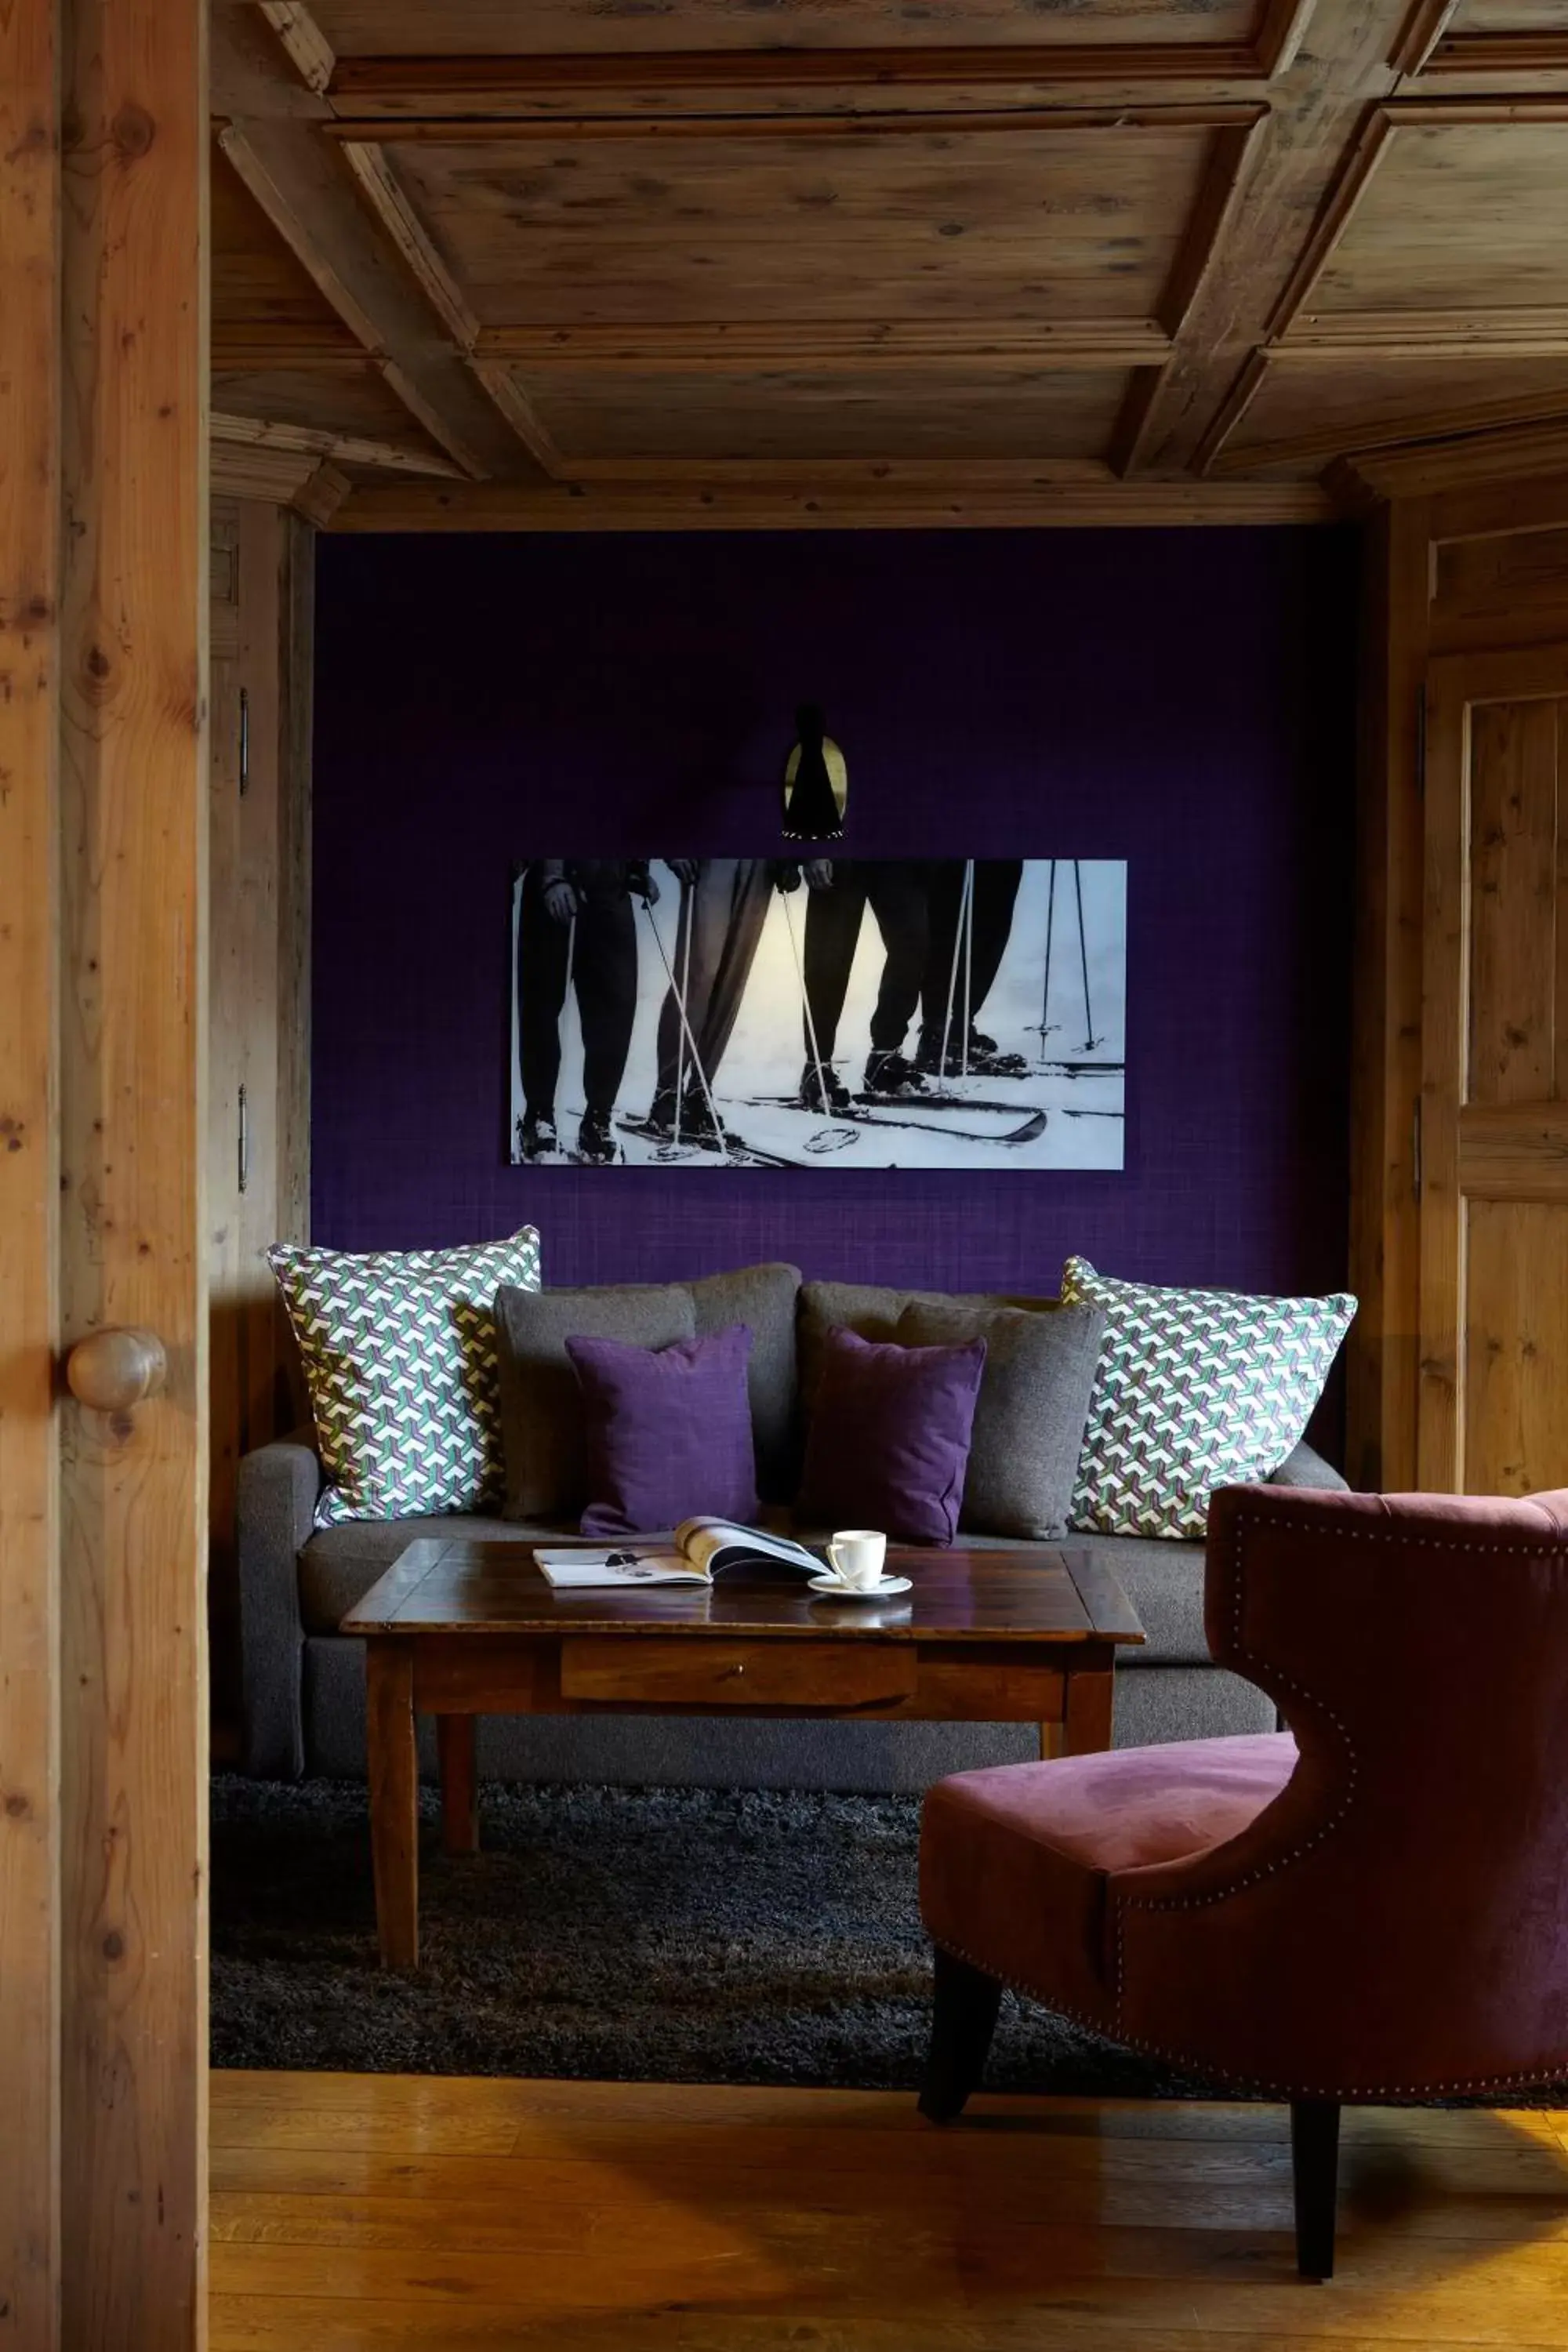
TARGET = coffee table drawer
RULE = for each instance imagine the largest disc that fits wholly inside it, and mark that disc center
(651, 1671)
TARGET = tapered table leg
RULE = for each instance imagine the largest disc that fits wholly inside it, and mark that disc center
(393, 1801)
(459, 1784)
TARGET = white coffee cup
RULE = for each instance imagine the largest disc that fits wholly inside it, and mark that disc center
(858, 1555)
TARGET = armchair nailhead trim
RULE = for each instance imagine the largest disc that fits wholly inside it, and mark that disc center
(1535, 2078)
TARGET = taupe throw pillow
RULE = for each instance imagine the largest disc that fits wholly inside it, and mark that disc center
(1030, 1415)
(762, 1298)
(541, 1409)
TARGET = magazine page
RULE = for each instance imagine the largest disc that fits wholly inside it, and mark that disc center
(710, 1544)
(582, 1569)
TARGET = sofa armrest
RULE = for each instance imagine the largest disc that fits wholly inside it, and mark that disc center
(1304, 1468)
(279, 1485)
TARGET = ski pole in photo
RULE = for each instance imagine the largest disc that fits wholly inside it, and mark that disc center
(679, 995)
(1050, 936)
(1089, 1039)
(966, 912)
(687, 912)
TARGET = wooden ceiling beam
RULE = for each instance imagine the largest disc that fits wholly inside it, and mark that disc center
(641, 83)
(1315, 106)
(270, 131)
(320, 441)
(1192, 114)
(775, 506)
(305, 45)
(702, 347)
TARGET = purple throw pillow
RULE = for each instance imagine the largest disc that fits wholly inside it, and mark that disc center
(667, 1432)
(889, 1444)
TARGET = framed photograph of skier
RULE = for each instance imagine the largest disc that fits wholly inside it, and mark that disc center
(819, 1012)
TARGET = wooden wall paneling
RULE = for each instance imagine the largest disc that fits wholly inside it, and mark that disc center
(1516, 1346)
(133, 943)
(29, 1177)
(295, 679)
(243, 1055)
(1445, 954)
(1495, 1022)
(1508, 588)
(1385, 1107)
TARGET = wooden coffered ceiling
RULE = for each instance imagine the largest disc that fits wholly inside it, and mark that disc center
(565, 264)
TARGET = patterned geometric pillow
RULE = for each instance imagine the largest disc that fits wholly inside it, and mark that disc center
(399, 1349)
(1195, 1389)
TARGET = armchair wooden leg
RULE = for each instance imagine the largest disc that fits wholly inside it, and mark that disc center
(963, 2018)
(1315, 2161)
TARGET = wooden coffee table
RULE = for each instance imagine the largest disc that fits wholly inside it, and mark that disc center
(461, 1629)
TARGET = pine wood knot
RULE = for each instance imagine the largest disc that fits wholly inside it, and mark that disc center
(132, 130)
(114, 1945)
(17, 1806)
(98, 664)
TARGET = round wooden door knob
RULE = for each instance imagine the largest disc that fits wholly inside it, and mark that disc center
(116, 1369)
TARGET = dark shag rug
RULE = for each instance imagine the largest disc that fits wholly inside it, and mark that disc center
(653, 1935)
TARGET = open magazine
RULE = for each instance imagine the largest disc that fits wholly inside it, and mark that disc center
(702, 1548)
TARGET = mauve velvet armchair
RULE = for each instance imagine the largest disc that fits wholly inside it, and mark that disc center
(1370, 1907)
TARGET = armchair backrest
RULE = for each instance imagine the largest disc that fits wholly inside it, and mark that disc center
(1397, 1920)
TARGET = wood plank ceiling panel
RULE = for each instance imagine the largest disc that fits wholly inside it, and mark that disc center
(944, 223)
(1459, 216)
(808, 415)
(1301, 415)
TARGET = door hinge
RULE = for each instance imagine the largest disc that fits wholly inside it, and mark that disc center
(244, 742)
(1415, 1149)
(243, 1142)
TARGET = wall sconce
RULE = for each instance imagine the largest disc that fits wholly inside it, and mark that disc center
(816, 782)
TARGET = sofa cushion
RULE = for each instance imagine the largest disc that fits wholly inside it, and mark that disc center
(1030, 1415)
(542, 1404)
(399, 1352)
(763, 1299)
(872, 1311)
(1196, 1389)
(889, 1443)
(668, 1432)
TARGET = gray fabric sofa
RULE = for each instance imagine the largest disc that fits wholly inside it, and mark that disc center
(303, 1682)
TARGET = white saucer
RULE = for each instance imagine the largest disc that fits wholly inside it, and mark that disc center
(883, 1590)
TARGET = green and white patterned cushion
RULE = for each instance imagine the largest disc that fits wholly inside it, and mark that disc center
(1195, 1389)
(399, 1349)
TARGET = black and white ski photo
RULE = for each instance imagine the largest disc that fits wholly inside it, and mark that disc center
(819, 1012)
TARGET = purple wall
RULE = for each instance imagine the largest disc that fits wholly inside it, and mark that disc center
(1180, 698)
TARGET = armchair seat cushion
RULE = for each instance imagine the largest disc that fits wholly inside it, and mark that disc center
(1015, 1858)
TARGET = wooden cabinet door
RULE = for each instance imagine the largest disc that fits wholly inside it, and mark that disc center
(1493, 1411)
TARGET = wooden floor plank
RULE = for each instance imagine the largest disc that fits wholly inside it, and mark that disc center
(384, 2212)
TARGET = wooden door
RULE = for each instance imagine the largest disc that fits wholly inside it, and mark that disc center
(1494, 1108)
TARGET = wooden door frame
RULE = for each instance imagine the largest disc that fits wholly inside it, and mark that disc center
(103, 533)
(1454, 685)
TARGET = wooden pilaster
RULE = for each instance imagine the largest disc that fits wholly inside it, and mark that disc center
(29, 1184)
(133, 791)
